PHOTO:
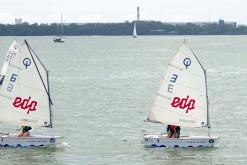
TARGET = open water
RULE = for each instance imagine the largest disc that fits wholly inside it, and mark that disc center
(103, 88)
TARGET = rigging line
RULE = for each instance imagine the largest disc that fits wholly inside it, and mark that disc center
(47, 92)
(50, 110)
(36, 56)
(197, 59)
(209, 126)
(193, 54)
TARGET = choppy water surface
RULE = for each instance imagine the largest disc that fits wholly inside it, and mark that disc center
(104, 87)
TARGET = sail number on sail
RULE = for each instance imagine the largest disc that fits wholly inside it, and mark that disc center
(25, 104)
(12, 80)
(172, 80)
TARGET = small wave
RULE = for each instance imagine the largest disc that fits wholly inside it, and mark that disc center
(227, 71)
(64, 144)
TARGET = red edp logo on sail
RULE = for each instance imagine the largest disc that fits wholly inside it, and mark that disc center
(25, 104)
(184, 103)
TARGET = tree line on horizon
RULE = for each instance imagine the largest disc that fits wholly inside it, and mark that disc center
(125, 28)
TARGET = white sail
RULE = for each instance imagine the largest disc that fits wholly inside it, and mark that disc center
(134, 31)
(24, 93)
(10, 54)
(182, 98)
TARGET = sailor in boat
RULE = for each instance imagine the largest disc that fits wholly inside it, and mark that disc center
(173, 131)
(24, 131)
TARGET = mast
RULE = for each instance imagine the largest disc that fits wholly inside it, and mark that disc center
(209, 126)
(57, 29)
(50, 103)
(61, 26)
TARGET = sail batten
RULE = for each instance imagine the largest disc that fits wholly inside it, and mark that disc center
(185, 84)
(14, 47)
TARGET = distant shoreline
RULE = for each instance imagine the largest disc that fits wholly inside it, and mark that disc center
(125, 29)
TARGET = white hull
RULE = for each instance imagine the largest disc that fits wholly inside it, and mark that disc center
(32, 141)
(182, 142)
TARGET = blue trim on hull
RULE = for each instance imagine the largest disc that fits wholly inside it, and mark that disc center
(176, 146)
(20, 146)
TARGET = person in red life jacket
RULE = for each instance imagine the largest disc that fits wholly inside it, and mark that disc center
(173, 131)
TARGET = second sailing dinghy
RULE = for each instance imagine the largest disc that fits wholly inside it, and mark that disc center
(182, 101)
(25, 98)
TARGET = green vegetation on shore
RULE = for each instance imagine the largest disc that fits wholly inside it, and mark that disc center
(125, 28)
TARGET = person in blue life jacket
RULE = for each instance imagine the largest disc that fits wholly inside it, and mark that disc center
(173, 131)
(24, 131)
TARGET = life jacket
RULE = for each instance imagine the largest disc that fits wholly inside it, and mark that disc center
(173, 127)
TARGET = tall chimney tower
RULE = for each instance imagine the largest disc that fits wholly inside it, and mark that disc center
(138, 13)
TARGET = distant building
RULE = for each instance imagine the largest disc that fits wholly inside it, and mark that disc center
(220, 22)
(224, 23)
(18, 21)
(138, 13)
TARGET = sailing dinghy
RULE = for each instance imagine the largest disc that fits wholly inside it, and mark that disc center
(134, 31)
(182, 101)
(25, 98)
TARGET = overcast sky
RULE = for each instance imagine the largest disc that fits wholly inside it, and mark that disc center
(81, 11)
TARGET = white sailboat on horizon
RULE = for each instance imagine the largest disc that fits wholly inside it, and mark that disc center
(182, 101)
(59, 37)
(25, 98)
(134, 31)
